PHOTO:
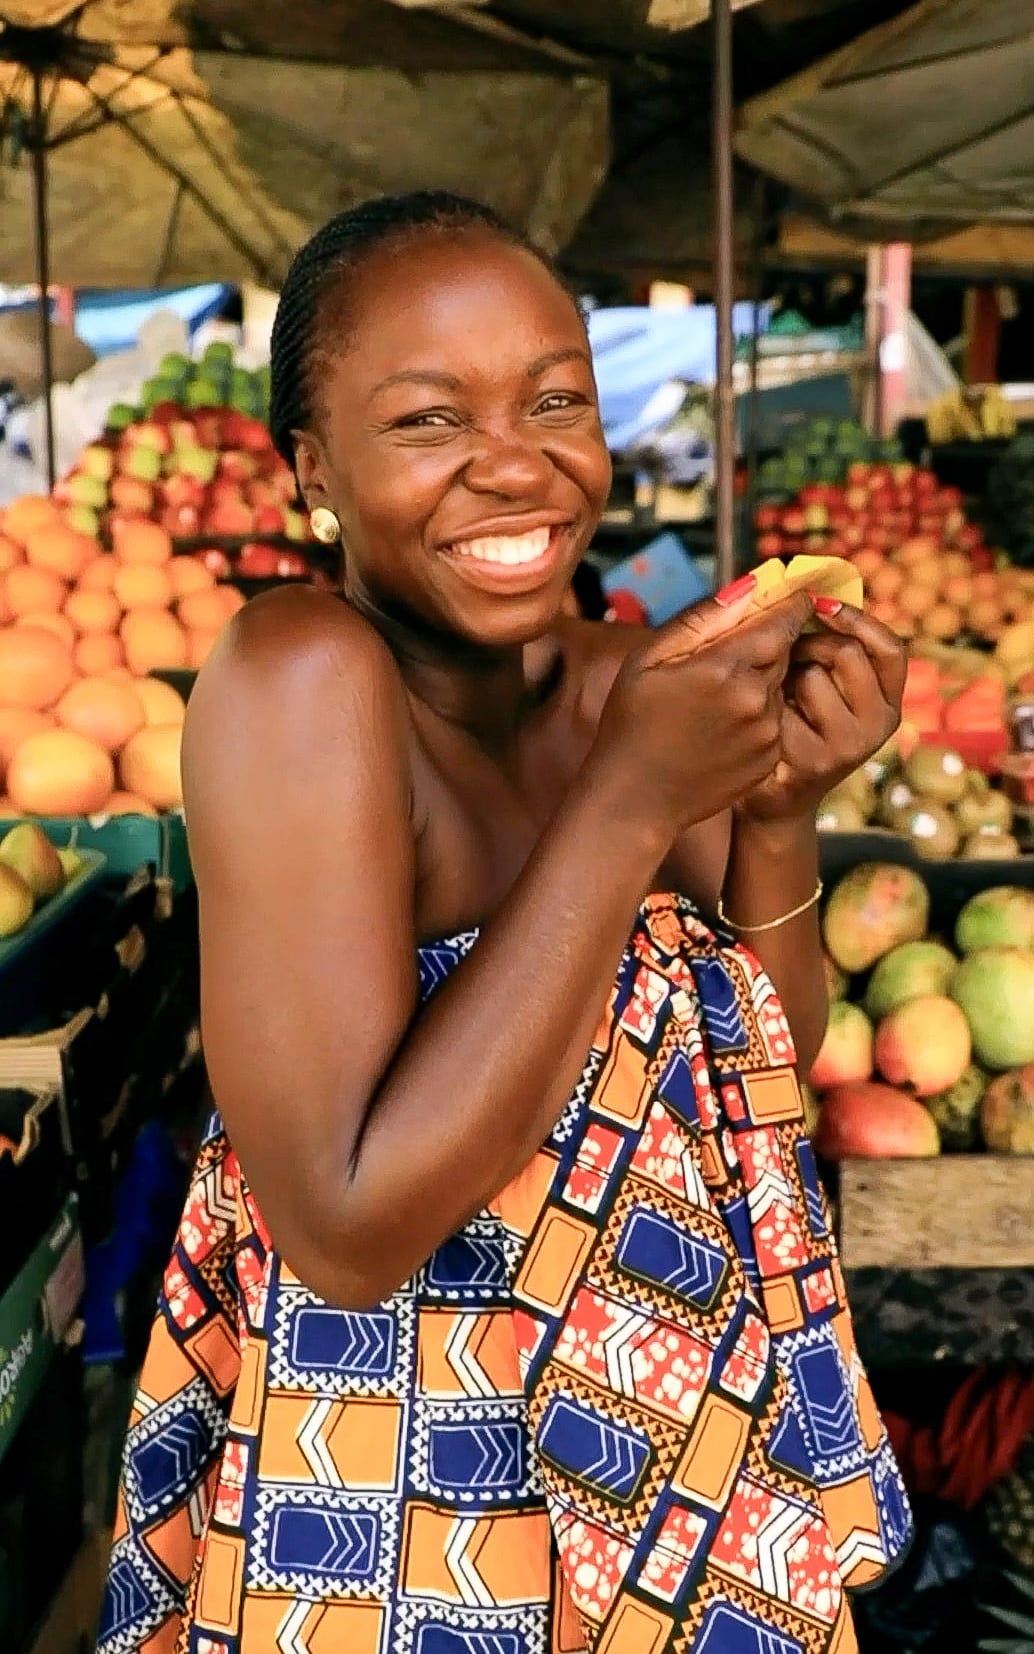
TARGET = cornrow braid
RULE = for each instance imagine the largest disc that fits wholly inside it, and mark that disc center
(336, 249)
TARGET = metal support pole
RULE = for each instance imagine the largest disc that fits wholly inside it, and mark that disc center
(757, 282)
(724, 277)
(39, 194)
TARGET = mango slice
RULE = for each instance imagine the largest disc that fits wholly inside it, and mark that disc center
(826, 576)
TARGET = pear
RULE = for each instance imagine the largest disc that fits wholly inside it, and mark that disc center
(16, 903)
(27, 849)
(71, 862)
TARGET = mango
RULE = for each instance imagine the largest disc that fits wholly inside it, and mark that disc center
(28, 850)
(846, 1051)
(994, 987)
(825, 576)
(1002, 917)
(924, 1044)
(836, 981)
(1007, 1112)
(874, 908)
(16, 901)
(956, 1111)
(874, 1122)
(908, 972)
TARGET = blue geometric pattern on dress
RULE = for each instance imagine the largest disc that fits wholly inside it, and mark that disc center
(439, 1639)
(825, 1401)
(467, 1260)
(787, 1446)
(440, 958)
(333, 1543)
(720, 1006)
(609, 1456)
(126, 1597)
(165, 1462)
(727, 1630)
(736, 1214)
(677, 1091)
(892, 1505)
(812, 1189)
(345, 1341)
(654, 1249)
(479, 1458)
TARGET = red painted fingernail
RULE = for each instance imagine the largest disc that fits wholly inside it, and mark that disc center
(739, 589)
(825, 605)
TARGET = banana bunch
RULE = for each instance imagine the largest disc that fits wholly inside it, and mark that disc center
(961, 417)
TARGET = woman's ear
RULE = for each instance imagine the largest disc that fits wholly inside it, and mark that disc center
(311, 469)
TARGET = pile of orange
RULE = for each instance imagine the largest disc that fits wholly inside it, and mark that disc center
(83, 729)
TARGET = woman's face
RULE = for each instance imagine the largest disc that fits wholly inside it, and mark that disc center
(459, 439)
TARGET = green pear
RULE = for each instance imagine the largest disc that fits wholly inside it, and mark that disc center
(16, 903)
(71, 862)
(27, 849)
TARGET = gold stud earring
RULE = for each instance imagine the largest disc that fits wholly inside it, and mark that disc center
(325, 525)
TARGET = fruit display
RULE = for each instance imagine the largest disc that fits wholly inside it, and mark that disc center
(198, 459)
(930, 1041)
(945, 807)
(963, 415)
(32, 872)
(822, 451)
(878, 505)
(84, 729)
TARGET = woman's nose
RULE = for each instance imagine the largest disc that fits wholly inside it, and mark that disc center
(508, 465)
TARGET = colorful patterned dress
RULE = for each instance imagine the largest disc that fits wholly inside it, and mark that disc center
(620, 1411)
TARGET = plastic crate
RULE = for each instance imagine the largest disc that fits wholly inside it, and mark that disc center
(126, 842)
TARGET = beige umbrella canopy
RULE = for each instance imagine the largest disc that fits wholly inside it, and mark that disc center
(924, 122)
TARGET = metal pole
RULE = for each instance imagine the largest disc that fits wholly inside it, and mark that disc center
(724, 275)
(757, 280)
(39, 193)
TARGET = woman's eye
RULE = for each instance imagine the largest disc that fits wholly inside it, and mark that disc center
(560, 402)
(423, 421)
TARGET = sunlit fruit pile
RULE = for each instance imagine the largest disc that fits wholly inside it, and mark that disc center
(878, 507)
(81, 723)
(930, 1043)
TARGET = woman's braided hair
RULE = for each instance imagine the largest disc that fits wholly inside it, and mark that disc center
(339, 247)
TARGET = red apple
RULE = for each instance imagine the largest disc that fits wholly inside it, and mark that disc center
(856, 498)
(215, 561)
(236, 465)
(229, 516)
(766, 518)
(769, 545)
(164, 413)
(858, 471)
(853, 534)
(269, 519)
(148, 432)
(183, 522)
(793, 521)
(133, 495)
(208, 428)
(182, 489)
(257, 562)
(291, 565)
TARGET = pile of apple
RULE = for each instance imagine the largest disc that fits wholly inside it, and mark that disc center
(878, 507)
(200, 473)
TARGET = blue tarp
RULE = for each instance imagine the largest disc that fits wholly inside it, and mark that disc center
(109, 322)
(636, 350)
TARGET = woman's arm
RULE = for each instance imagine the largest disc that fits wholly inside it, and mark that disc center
(368, 1133)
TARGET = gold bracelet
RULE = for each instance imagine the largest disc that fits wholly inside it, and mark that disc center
(773, 924)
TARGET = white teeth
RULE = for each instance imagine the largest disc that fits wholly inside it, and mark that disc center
(506, 548)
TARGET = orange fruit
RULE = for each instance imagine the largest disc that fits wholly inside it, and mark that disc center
(99, 574)
(203, 611)
(161, 703)
(199, 646)
(97, 652)
(16, 724)
(153, 640)
(30, 512)
(188, 574)
(150, 766)
(142, 586)
(60, 625)
(105, 712)
(62, 549)
(91, 611)
(10, 553)
(232, 600)
(138, 540)
(128, 804)
(28, 590)
(35, 667)
(60, 773)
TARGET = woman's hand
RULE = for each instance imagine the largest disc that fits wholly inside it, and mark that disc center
(842, 701)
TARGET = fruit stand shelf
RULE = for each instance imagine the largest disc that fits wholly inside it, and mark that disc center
(939, 1259)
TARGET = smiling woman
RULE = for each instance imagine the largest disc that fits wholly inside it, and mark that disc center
(504, 1313)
